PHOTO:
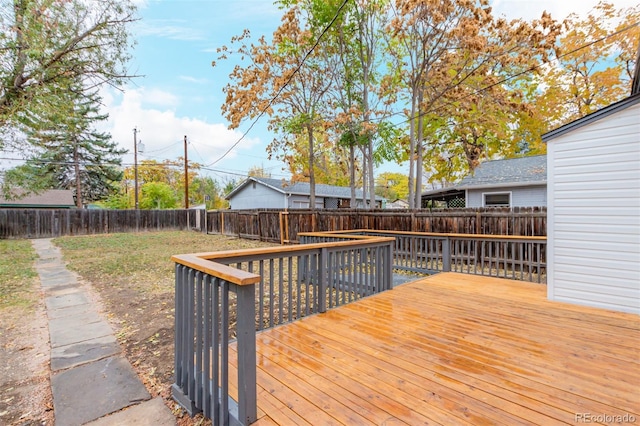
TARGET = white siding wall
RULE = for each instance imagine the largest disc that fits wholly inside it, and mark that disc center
(257, 197)
(593, 176)
(521, 196)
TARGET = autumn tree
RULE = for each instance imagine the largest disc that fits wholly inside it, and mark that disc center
(392, 186)
(330, 165)
(170, 172)
(46, 46)
(442, 46)
(206, 190)
(357, 94)
(259, 171)
(286, 78)
(594, 68)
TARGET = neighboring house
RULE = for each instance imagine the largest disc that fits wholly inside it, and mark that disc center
(263, 193)
(51, 199)
(398, 204)
(593, 225)
(513, 182)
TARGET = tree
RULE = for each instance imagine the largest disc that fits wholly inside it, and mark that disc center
(593, 69)
(440, 47)
(158, 195)
(330, 165)
(259, 171)
(71, 154)
(170, 172)
(392, 186)
(206, 190)
(46, 46)
(276, 83)
(358, 95)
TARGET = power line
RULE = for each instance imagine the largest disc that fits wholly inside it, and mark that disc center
(528, 70)
(273, 99)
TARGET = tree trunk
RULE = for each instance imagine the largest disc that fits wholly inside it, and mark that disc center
(76, 166)
(419, 152)
(312, 177)
(372, 182)
(352, 174)
(412, 148)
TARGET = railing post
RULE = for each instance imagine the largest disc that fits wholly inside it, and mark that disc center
(246, 337)
(388, 261)
(446, 254)
(323, 277)
(183, 352)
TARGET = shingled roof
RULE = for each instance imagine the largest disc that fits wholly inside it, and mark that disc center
(52, 199)
(517, 171)
(302, 188)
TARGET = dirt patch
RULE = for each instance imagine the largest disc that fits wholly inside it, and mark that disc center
(25, 392)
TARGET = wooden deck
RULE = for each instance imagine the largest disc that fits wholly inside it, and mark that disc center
(451, 349)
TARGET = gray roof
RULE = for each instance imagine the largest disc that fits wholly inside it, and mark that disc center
(513, 171)
(302, 188)
(53, 198)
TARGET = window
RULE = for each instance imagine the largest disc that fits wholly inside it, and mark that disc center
(497, 199)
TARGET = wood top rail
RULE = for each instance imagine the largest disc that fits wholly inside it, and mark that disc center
(432, 234)
(205, 262)
(228, 273)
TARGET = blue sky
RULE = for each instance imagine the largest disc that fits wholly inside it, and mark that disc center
(180, 93)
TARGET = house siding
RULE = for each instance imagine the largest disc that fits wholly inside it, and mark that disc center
(302, 202)
(257, 196)
(593, 180)
(521, 196)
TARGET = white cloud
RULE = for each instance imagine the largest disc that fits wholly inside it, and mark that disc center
(191, 79)
(162, 131)
(173, 29)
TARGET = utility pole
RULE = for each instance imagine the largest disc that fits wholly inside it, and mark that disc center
(186, 175)
(135, 166)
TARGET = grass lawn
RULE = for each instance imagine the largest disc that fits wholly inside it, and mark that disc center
(25, 394)
(17, 275)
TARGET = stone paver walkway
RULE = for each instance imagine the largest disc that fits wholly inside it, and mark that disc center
(91, 380)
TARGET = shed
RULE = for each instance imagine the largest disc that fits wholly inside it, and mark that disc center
(264, 193)
(593, 194)
(49, 199)
(510, 182)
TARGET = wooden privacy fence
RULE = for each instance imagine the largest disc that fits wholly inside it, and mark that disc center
(48, 223)
(284, 226)
(226, 295)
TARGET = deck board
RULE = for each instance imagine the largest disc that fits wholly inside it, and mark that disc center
(451, 349)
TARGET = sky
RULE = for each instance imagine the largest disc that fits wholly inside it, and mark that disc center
(180, 94)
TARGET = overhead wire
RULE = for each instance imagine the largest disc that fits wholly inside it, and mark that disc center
(528, 70)
(273, 99)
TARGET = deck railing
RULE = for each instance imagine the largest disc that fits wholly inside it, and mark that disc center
(515, 257)
(225, 295)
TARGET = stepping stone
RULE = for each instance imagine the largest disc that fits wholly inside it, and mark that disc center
(64, 357)
(149, 413)
(64, 301)
(90, 391)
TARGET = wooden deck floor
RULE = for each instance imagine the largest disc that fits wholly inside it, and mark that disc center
(451, 349)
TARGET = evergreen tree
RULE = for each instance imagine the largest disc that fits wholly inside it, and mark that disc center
(71, 153)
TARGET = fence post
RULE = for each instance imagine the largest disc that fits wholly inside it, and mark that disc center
(246, 337)
(446, 254)
(323, 273)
